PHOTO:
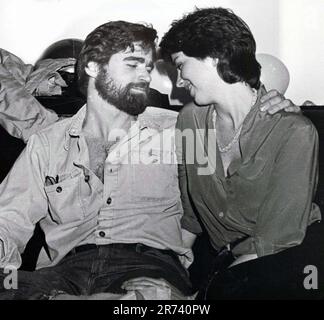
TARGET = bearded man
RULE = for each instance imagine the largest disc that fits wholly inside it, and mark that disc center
(109, 208)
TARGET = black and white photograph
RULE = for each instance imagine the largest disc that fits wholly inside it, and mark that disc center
(167, 151)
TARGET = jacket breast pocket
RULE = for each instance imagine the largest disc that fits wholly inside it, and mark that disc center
(65, 204)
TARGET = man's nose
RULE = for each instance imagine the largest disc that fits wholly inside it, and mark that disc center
(145, 76)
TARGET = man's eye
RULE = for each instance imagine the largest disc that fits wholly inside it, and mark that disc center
(179, 66)
(132, 65)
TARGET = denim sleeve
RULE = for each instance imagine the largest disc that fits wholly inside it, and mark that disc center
(288, 209)
(21, 114)
(22, 202)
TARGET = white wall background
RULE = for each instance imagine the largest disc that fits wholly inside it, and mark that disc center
(292, 30)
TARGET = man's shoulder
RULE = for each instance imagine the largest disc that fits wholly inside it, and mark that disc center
(73, 124)
(62, 125)
(52, 133)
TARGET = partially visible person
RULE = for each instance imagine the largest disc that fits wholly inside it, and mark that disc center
(256, 200)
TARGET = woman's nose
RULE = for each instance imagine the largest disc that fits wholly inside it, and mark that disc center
(180, 82)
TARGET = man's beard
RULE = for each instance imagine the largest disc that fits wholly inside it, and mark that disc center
(122, 98)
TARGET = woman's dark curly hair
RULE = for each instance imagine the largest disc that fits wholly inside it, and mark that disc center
(108, 39)
(216, 33)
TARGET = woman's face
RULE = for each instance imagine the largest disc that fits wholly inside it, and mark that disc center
(199, 77)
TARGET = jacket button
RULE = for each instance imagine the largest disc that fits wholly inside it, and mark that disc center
(87, 178)
(109, 200)
(59, 189)
(102, 234)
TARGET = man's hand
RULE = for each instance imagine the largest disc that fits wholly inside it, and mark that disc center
(273, 101)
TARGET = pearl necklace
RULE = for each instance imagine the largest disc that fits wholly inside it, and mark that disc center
(231, 143)
(229, 146)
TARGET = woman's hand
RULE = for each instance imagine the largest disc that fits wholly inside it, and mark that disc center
(273, 101)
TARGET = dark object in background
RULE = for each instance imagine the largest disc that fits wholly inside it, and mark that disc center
(66, 48)
(316, 115)
(161, 100)
(158, 99)
(72, 89)
(11, 148)
(64, 106)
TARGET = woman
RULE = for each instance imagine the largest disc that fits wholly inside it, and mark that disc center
(256, 201)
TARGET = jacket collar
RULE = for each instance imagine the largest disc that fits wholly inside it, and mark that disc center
(153, 119)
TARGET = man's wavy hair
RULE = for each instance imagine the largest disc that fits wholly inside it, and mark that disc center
(108, 39)
(216, 33)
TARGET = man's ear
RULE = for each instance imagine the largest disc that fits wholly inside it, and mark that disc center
(92, 69)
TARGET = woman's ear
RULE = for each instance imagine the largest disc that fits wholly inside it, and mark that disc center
(92, 69)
